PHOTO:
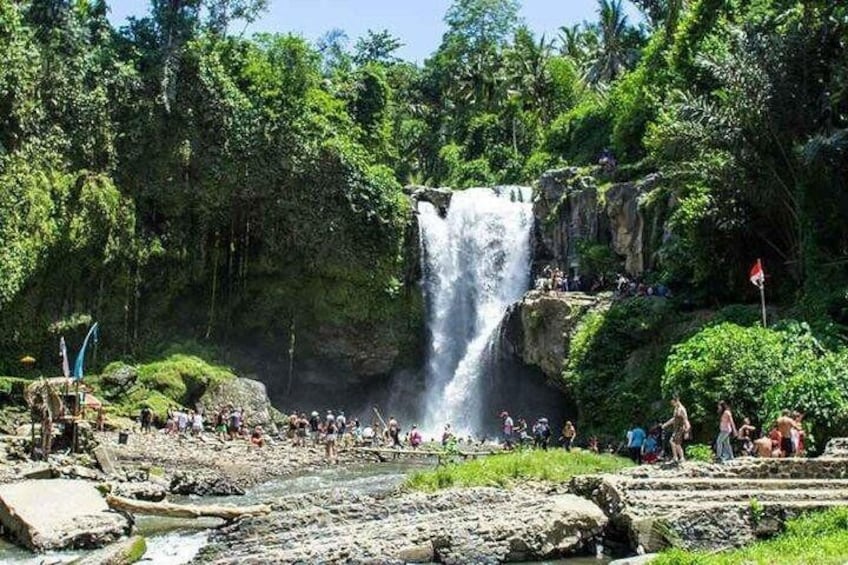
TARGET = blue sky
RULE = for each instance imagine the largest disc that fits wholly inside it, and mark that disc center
(417, 22)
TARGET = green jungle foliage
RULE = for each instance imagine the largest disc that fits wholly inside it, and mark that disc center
(173, 181)
(812, 538)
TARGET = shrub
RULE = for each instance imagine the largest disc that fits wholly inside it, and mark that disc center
(820, 391)
(732, 363)
(182, 378)
(700, 452)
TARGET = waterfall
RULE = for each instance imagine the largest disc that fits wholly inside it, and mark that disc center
(476, 263)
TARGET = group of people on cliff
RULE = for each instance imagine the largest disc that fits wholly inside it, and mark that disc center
(553, 279)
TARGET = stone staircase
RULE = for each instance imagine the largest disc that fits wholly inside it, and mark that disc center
(712, 506)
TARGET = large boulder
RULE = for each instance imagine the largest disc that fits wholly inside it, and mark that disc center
(53, 514)
(537, 329)
(247, 394)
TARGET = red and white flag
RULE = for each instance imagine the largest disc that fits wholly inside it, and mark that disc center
(757, 275)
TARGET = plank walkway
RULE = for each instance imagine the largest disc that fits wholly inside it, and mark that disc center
(387, 453)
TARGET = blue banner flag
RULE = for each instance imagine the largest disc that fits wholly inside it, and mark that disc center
(81, 355)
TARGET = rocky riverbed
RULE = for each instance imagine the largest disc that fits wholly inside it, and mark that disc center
(476, 525)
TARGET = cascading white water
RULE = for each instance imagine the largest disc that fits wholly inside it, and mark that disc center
(476, 263)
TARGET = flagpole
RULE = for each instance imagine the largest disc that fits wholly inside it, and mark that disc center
(763, 302)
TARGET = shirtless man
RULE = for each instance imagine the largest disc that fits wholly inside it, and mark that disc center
(762, 447)
(679, 424)
(785, 424)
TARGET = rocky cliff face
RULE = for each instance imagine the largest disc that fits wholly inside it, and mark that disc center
(572, 206)
(537, 329)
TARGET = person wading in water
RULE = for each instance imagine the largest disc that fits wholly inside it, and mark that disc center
(679, 424)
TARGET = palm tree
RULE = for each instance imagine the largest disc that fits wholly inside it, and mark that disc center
(528, 73)
(616, 52)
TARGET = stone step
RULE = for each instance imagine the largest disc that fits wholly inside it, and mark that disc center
(704, 484)
(680, 498)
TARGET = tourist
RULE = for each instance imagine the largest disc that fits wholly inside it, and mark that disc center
(798, 434)
(146, 418)
(679, 424)
(256, 438)
(393, 429)
(776, 441)
(521, 432)
(356, 432)
(341, 423)
(447, 435)
(636, 443)
(506, 429)
(593, 444)
(101, 422)
(196, 424)
(763, 447)
(368, 436)
(726, 428)
(330, 441)
(182, 422)
(568, 434)
(170, 422)
(221, 420)
(234, 425)
(786, 425)
(652, 447)
(541, 433)
(415, 438)
(745, 434)
(314, 425)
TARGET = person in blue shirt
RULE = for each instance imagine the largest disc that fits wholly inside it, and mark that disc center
(635, 439)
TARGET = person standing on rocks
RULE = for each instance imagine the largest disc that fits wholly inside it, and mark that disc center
(330, 441)
(726, 428)
(394, 432)
(569, 433)
(785, 425)
(635, 442)
(679, 424)
(415, 437)
(507, 426)
(146, 418)
(196, 424)
(314, 425)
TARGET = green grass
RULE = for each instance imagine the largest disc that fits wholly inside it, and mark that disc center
(555, 465)
(814, 539)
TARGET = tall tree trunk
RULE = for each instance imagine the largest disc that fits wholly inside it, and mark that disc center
(212, 301)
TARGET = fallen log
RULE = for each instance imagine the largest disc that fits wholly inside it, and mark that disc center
(171, 510)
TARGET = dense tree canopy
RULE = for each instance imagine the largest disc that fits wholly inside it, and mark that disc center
(168, 177)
